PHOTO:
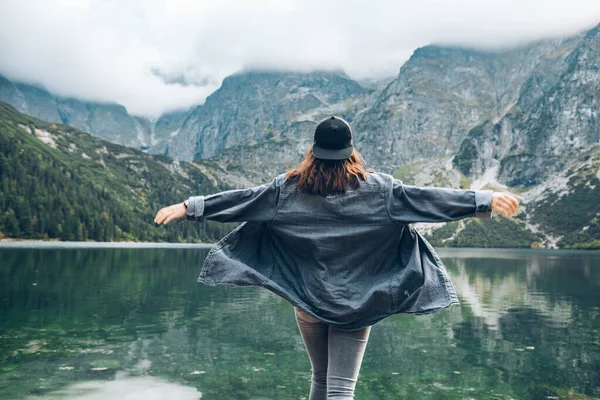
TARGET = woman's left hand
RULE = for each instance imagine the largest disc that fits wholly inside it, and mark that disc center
(168, 214)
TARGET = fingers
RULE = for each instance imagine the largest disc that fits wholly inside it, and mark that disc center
(503, 209)
(165, 215)
(512, 203)
(168, 214)
(505, 204)
(515, 202)
(509, 209)
(160, 215)
(170, 218)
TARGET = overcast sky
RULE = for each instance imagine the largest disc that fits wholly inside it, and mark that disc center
(139, 52)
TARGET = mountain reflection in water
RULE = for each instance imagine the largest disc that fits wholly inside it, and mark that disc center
(132, 323)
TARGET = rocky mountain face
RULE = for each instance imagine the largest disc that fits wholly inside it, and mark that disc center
(446, 101)
(545, 133)
(107, 121)
(248, 108)
(554, 119)
(244, 166)
(523, 120)
(252, 107)
(167, 126)
(441, 94)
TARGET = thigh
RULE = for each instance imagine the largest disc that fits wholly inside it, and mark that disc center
(346, 351)
(315, 335)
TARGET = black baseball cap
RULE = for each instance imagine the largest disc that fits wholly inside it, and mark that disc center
(333, 139)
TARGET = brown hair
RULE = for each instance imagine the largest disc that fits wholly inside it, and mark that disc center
(324, 177)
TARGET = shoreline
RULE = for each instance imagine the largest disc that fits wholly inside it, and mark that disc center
(461, 252)
(8, 243)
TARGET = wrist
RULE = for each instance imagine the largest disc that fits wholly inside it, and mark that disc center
(483, 203)
(195, 208)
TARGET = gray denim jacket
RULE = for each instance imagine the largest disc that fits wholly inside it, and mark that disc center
(350, 259)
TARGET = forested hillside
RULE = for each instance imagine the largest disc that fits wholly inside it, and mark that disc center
(59, 182)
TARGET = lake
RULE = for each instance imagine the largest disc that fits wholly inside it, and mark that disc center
(93, 323)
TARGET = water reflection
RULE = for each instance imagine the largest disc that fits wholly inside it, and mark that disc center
(124, 387)
(491, 288)
(71, 318)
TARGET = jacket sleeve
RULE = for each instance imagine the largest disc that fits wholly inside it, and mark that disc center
(408, 204)
(255, 204)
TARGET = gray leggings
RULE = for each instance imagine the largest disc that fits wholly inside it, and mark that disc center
(335, 355)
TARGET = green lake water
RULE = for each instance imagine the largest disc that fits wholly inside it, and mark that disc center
(132, 323)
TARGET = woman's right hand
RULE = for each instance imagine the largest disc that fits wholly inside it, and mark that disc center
(504, 203)
(168, 214)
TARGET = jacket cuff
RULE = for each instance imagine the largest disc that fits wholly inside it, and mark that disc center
(195, 210)
(483, 203)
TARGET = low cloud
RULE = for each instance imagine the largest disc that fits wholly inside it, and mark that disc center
(156, 55)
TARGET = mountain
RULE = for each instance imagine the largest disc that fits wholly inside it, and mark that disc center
(561, 212)
(59, 182)
(554, 119)
(248, 107)
(254, 106)
(107, 121)
(523, 120)
(244, 166)
(442, 101)
(167, 126)
(440, 94)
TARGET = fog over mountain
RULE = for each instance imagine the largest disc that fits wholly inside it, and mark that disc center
(160, 56)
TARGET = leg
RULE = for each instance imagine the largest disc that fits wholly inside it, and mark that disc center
(346, 351)
(315, 336)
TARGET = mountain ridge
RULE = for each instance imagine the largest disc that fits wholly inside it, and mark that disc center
(106, 120)
(111, 192)
(518, 120)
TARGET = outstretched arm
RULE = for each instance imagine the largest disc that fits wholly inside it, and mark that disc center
(410, 204)
(252, 204)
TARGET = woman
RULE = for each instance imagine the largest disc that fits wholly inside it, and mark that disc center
(335, 240)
